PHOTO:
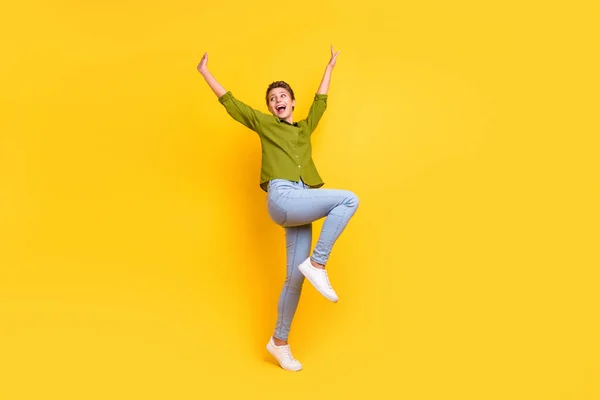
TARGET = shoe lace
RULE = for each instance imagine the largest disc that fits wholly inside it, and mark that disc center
(327, 279)
(287, 353)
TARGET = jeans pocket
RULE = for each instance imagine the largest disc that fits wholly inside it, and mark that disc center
(277, 214)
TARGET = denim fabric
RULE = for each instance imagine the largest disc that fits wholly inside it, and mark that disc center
(294, 206)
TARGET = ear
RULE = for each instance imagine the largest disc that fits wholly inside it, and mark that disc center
(293, 103)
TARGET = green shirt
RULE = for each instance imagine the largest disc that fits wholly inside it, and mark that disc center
(286, 148)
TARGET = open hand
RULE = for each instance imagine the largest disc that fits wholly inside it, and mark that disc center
(333, 58)
(202, 66)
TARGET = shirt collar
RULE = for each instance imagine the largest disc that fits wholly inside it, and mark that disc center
(285, 122)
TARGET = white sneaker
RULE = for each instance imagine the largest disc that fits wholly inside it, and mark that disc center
(319, 279)
(283, 354)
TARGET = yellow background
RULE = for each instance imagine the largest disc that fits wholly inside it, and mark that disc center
(137, 258)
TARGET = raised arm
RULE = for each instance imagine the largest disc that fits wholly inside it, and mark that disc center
(212, 82)
(324, 87)
(241, 112)
(320, 101)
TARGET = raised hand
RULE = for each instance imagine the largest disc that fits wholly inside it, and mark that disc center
(333, 58)
(212, 82)
(324, 87)
(202, 66)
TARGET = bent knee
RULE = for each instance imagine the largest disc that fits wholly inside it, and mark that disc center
(352, 200)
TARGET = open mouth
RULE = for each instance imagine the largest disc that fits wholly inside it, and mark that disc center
(280, 109)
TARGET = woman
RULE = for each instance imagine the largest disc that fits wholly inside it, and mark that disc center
(294, 200)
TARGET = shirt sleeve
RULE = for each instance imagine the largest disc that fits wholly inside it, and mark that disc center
(316, 111)
(239, 111)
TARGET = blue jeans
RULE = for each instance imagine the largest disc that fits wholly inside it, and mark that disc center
(294, 206)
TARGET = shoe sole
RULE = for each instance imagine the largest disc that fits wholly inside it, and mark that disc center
(306, 275)
(272, 352)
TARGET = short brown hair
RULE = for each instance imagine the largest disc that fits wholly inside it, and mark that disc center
(279, 84)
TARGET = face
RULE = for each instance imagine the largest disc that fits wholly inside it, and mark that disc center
(281, 103)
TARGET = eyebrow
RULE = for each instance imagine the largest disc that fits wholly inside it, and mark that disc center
(275, 94)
